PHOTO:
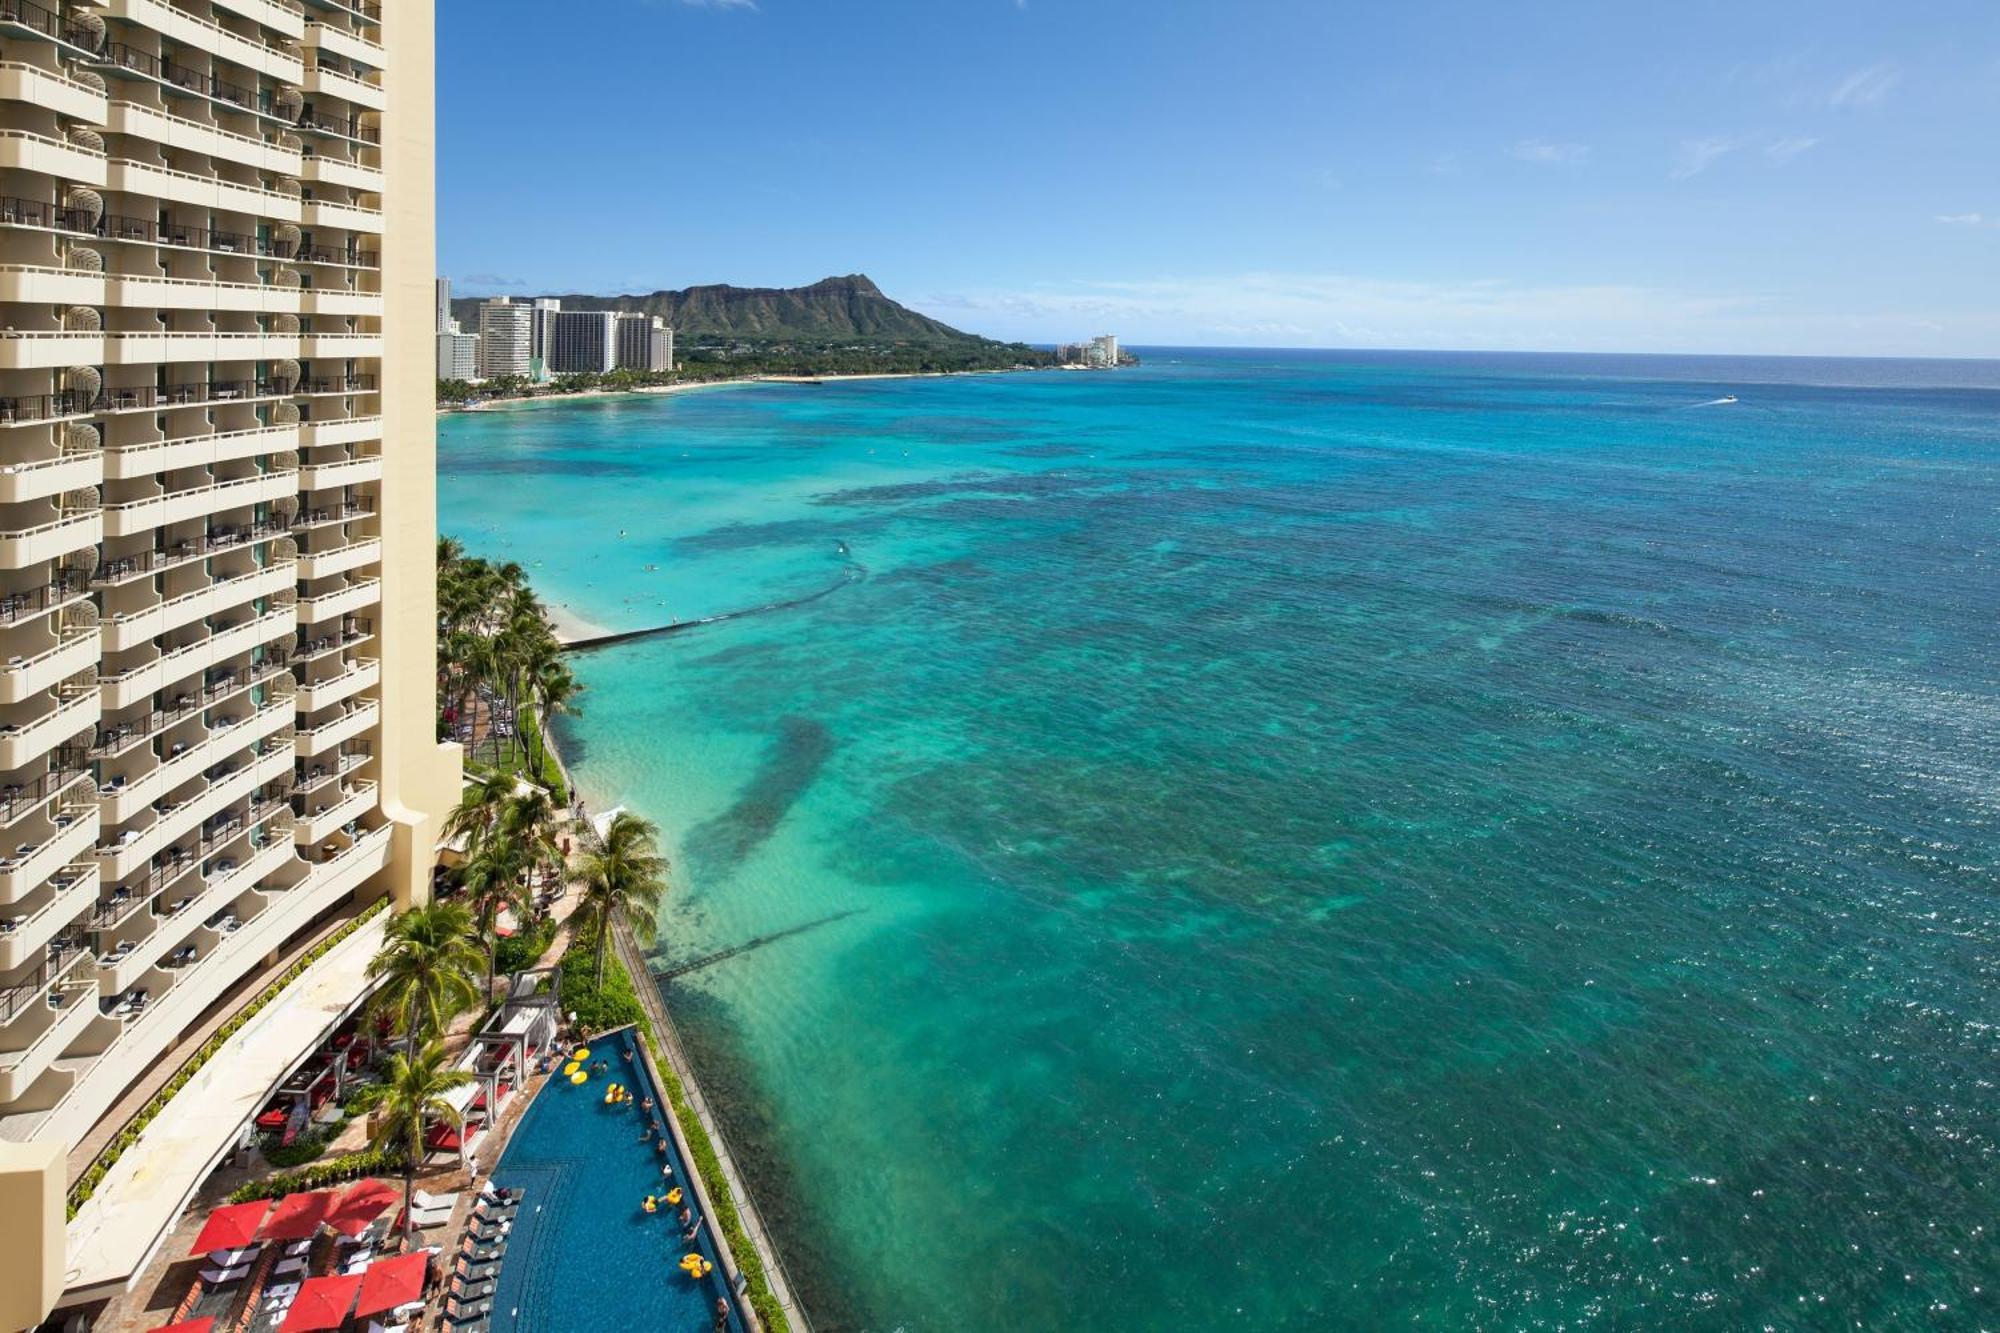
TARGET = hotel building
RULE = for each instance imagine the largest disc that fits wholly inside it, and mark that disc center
(503, 338)
(217, 611)
(582, 340)
(644, 343)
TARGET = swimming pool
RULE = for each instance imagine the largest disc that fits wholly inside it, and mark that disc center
(582, 1256)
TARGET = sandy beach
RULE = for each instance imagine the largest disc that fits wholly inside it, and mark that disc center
(570, 626)
(498, 404)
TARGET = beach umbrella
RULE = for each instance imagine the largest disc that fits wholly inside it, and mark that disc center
(322, 1303)
(388, 1283)
(360, 1205)
(231, 1227)
(201, 1325)
(298, 1216)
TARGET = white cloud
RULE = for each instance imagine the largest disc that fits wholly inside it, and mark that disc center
(1343, 310)
(1784, 149)
(1543, 152)
(1695, 156)
(1865, 87)
(1963, 219)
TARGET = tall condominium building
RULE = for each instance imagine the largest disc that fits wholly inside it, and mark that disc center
(503, 338)
(444, 319)
(644, 343)
(540, 322)
(583, 340)
(217, 611)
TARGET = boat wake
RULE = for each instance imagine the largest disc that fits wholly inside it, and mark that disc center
(1723, 401)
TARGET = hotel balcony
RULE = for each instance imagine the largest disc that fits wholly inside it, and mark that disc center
(21, 744)
(358, 675)
(282, 16)
(346, 43)
(149, 348)
(223, 880)
(21, 678)
(349, 217)
(353, 721)
(45, 1021)
(123, 688)
(27, 926)
(340, 601)
(30, 795)
(330, 385)
(340, 430)
(330, 808)
(127, 517)
(322, 170)
(73, 833)
(314, 774)
(130, 629)
(23, 82)
(336, 301)
(205, 35)
(340, 344)
(193, 136)
(21, 150)
(148, 291)
(329, 82)
(37, 284)
(45, 477)
(126, 798)
(53, 540)
(49, 349)
(127, 461)
(340, 559)
(129, 849)
(183, 187)
(339, 472)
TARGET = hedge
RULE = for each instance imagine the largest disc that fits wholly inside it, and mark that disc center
(93, 1175)
(334, 1170)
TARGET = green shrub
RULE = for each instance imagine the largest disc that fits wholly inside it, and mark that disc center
(333, 1171)
(524, 948)
(305, 1148)
(616, 1005)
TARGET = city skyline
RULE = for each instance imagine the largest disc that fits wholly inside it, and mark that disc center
(1279, 174)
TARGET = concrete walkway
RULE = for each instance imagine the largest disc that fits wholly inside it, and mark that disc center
(110, 1237)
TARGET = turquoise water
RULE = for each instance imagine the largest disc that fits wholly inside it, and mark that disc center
(583, 1254)
(1330, 841)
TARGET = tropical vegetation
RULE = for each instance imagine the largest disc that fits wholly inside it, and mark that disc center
(623, 877)
(410, 1099)
(426, 967)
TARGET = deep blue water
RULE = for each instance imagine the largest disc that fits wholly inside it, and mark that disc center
(1333, 840)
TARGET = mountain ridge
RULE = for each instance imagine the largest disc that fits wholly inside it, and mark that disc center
(846, 308)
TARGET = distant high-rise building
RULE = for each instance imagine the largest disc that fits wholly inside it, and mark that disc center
(503, 338)
(1103, 350)
(582, 341)
(444, 304)
(644, 343)
(546, 308)
(458, 354)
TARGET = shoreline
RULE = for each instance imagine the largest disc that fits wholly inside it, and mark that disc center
(522, 400)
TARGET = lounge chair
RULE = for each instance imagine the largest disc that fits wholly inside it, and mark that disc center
(216, 1277)
(461, 1313)
(430, 1203)
(473, 1291)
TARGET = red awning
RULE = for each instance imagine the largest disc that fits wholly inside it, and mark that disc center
(201, 1325)
(360, 1205)
(322, 1303)
(231, 1226)
(298, 1216)
(389, 1283)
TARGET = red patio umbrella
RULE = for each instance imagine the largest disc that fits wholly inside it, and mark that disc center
(231, 1226)
(358, 1207)
(322, 1302)
(201, 1325)
(298, 1216)
(388, 1283)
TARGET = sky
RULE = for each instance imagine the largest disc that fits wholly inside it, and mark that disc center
(1807, 177)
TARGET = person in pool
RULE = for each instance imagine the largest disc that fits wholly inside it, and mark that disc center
(722, 1312)
(686, 1218)
(646, 1105)
(628, 1055)
(600, 1068)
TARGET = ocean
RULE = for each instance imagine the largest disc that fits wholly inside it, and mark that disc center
(1316, 840)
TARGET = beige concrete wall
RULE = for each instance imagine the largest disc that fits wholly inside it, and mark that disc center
(420, 778)
(33, 1255)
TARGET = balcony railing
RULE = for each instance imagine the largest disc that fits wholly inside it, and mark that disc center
(44, 21)
(185, 77)
(338, 384)
(68, 585)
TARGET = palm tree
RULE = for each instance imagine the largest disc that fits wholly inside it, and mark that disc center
(426, 965)
(624, 878)
(408, 1102)
(493, 884)
(478, 808)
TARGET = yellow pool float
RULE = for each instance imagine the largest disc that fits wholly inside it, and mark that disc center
(580, 1076)
(674, 1195)
(571, 1067)
(696, 1266)
(582, 1053)
(649, 1205)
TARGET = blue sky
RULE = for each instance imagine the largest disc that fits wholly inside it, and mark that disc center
(1759, 176)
